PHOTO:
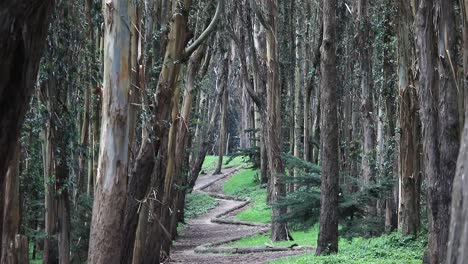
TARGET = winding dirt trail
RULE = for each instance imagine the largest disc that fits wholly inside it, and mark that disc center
(202, 231)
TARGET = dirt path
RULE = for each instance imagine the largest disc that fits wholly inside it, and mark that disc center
(201, 231)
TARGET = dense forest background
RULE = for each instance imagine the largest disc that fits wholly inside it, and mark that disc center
(352, 113)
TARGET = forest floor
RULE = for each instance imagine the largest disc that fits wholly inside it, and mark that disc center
(201, 232)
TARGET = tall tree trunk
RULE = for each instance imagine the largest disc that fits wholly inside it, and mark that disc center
(439, 116)
(109, 203)
(279, 231)
(23, 30)
(328, 232)
(410, 178)
(367, 105)
(298, 84)
(11, 211)
(49, 253)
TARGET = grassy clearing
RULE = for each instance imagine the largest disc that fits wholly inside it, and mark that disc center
(244, 184)
(211, 162)
(198, 204)
(387, 249)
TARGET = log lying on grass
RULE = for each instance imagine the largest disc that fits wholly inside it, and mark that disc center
(234, 222)
(247, 250)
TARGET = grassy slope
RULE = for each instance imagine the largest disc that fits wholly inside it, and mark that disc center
(389, 249)
(244, 184)
(211, 162)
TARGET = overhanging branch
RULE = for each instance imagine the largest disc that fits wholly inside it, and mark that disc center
(206, 33)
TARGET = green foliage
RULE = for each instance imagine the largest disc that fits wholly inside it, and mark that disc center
(387, 249)
(81, 222)
(304, 202)
(198, 204)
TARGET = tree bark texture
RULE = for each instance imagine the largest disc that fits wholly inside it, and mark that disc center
(439, 116)
(367, 104)
(279, 231)
(458, 236)
(328, 232)
(110, 195)
(409, 156)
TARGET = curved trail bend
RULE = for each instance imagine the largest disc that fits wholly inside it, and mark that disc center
(201, 232)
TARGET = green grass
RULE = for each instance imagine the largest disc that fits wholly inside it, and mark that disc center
(244, 184)
(387, 249)
(301, 237)
(211, 162)
(198, 204)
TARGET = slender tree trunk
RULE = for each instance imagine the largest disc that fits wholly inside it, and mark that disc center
(328, 232)
(109, 203)
(222, 132)
(367, 104)
(298, 84)
(439, 116)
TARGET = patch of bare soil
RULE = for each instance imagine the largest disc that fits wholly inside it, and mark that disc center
(201, 231)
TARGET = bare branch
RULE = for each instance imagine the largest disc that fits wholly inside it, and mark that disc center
(205, 34)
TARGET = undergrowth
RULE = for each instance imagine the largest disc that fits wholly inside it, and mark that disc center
(386, 249)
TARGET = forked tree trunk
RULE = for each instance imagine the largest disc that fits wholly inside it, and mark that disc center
(328, 232)
(439, 116)
(110, 196)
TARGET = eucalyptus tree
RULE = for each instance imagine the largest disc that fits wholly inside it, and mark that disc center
(328, 231)
(111, 183)
(435, 42)
(409, 157)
